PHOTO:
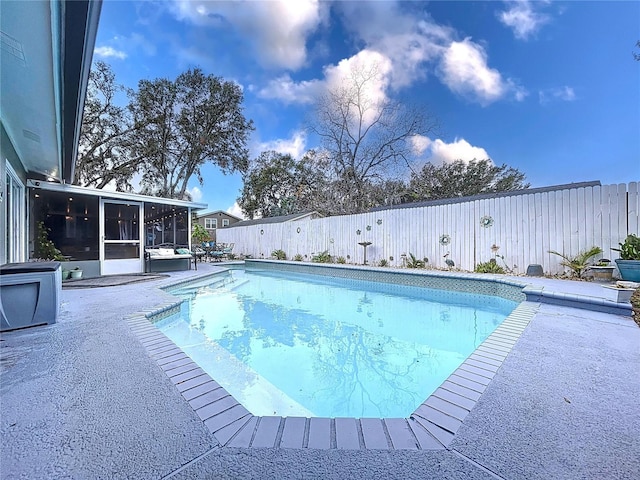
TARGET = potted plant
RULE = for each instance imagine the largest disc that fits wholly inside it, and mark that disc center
(629, 261)
(579, 263)
(76, 273)
(620, 292)
(602, 271)
(45, 249)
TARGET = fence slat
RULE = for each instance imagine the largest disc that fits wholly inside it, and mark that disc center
(525, 227)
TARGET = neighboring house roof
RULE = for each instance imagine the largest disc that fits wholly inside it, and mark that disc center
(44, 75)
(294, 217)
(526, 191)
(209, 214)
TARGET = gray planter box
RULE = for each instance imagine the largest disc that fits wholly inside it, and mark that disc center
(29, 294)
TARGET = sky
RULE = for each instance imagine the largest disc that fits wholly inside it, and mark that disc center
(550, 88)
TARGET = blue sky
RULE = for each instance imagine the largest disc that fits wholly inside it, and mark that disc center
(550, 88)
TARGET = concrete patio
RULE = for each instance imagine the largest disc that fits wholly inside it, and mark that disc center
(83, 399)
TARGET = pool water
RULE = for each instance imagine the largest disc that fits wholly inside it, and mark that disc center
(309, 345)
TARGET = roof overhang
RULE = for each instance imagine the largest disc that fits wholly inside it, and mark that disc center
(108, 194)
(45, 61)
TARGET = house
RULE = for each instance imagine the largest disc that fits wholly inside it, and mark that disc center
(45, 61)
(211, 221)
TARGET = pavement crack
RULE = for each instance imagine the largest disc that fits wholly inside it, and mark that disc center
(476, 464)
(190, 462)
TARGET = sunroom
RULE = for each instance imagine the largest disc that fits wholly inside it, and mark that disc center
(104, 232)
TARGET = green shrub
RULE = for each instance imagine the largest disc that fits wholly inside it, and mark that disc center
(413, 262)
(580, 262)
(297, 258)
(630, 249)
(279, 255)
(383, 263)
(322, 257)
(489, 267)
(341, 260)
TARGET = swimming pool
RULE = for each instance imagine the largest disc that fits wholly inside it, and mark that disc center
(294, 344)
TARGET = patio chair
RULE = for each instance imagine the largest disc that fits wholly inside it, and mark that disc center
(226, 251)
(217, 253)
(209, 248)
(198, 254)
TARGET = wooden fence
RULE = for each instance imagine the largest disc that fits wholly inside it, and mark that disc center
(524, 225)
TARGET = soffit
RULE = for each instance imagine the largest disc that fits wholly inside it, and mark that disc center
(27, 85)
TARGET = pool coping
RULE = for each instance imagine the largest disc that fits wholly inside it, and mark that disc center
(432, 426)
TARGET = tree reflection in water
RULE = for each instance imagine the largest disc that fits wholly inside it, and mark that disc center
(344, 351)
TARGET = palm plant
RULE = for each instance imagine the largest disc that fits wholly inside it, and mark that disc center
(414, 262)
(579, 263)
(279, 254)
(322, 257)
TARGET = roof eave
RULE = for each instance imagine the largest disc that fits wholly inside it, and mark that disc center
(78, 35)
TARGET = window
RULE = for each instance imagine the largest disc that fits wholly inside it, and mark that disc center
(71, 223)
(210, 223)
(225, 222)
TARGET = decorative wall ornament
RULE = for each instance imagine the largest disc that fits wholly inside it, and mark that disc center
(298, 229)
(379, 221)
(261, 232)
(445, 239)
(358, 232)
(486, 221)
(368, 228)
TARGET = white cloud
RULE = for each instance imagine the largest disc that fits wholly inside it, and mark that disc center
(522, 18)
(196, 194)
(286, 90)
(419, 144)
(236, 210)
(439, 152)
(365, 63)
(565, 94)
(410, 40)
(278, 29)
(465, 71)
(405, 49)
(371, 71)
(109, 52)
(294, 146)
(123, 44)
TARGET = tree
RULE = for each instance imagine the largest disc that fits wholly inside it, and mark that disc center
(461, 179)
(277, 184)
(104, 152)
(389, 193)
(193, 120)
(367, 136)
